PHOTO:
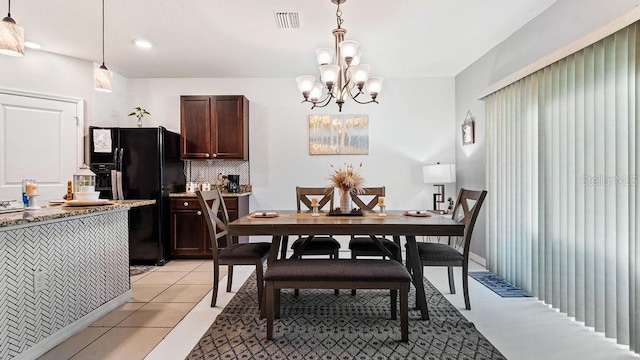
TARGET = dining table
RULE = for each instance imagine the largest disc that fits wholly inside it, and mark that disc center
(279, 224)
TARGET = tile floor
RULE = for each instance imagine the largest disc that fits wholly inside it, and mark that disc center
(161, 299)
(145, 328)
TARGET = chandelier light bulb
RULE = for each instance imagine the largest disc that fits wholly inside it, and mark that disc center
(348, 49)
(329, 74)
(305, 83)
(316, 92)
(325, 56)
(360, 74)
(356, 59)
(374, 86)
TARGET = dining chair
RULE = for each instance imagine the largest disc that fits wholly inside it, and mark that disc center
(364, 245)
(319, 245)
(465, 211)
(217, 219)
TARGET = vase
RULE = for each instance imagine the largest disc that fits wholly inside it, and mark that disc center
(139, 122)
(345, 202)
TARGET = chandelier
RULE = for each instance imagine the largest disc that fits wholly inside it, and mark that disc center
(345, 79)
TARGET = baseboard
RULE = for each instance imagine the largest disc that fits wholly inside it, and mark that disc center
(75, 327)
(478, 259)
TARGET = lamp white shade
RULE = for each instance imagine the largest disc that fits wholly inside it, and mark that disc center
(374, 85)
(360, 73)
(11, 38)
(324, 56)
(439, 173)
(102, 79)
(305, 83)
(348, 48)
(316, 92)
(329, 73)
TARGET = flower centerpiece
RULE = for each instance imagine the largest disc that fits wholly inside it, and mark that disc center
(348, 181)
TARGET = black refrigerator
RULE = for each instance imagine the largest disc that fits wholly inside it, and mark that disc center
(151, 168)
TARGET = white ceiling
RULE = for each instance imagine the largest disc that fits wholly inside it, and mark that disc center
(214, 38)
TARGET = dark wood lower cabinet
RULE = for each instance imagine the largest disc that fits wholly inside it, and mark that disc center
(189, 233)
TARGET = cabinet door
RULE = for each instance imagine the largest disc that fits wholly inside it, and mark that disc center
(230, 131)
(188, 231)
(195, 127)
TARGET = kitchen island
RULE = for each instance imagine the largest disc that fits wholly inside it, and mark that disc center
(62, 268)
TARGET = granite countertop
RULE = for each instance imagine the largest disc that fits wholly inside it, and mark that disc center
(224, 194)
(58, 212)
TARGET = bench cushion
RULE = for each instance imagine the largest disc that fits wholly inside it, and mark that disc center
(364, 270)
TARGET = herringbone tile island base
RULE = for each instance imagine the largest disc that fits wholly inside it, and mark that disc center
(320, 325)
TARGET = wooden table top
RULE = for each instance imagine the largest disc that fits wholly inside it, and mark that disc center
(290, 222)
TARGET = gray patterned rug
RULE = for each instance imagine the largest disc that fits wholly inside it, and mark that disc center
(320, 325)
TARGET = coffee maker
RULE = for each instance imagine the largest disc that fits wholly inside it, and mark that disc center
(233, 183)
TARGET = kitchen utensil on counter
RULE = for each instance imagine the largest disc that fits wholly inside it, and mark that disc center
(233, 184)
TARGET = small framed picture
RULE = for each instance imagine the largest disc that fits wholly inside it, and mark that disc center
(468, 129)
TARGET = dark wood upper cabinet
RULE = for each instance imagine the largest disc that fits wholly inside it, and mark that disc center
(214, 127)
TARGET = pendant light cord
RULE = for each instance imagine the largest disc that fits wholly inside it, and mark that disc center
(102, 32)
(9, 10)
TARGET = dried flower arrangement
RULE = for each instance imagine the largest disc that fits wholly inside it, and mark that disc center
(348, 180)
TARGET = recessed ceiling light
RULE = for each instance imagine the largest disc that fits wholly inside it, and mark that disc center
(142, 43)
(32, 44)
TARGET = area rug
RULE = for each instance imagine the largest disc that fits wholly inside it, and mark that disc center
(497, 284)
(320, 325)
(139, 269)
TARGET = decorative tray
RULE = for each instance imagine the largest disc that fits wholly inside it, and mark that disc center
(264, 215)
(417, 213)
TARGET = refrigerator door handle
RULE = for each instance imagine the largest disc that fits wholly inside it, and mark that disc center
(115, 158)
(120, 159)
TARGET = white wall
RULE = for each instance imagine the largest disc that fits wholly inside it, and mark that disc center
(47, 73)
(111, 109)
(563, 23)
(413, 125)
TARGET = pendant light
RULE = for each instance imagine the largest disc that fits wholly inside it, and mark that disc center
(11, 36)
(102, 76)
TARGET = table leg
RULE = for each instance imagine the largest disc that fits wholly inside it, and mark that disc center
(416, 268)
(273, 250)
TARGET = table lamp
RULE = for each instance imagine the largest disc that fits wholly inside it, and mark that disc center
(438, 175)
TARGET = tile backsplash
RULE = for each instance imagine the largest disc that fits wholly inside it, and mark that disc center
(208, 170)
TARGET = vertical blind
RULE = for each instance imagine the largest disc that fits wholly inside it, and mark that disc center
(563, 195)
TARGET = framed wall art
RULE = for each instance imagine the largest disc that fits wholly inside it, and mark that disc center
(468, 129)
(338, 134)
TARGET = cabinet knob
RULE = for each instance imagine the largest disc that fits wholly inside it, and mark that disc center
(207, 155)
(186, 203)
(215, 155)
(199, 213)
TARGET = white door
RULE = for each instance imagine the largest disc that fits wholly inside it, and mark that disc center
(40, 139)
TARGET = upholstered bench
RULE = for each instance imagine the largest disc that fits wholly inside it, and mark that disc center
(338, 274)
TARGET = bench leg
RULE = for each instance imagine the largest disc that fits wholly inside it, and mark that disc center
(353, 257)
(404, 312)
(394, 304)
(270, 294)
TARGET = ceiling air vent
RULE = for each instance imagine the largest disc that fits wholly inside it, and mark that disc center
(287, 19)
